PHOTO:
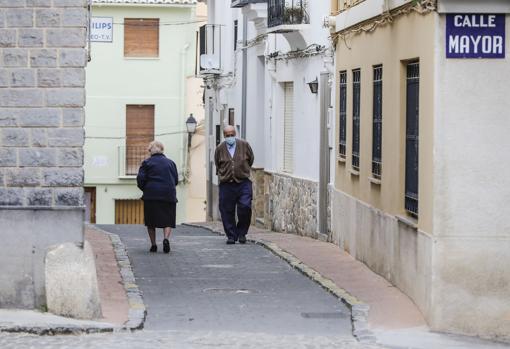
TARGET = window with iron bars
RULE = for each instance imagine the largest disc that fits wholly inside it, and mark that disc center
(377, 123)
(342, 148)
(412, 137)
(356, 109)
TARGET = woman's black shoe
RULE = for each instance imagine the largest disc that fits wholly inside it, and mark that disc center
(154, 248)
(166, 246)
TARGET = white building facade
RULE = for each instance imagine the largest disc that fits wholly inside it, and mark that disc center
(268, 68)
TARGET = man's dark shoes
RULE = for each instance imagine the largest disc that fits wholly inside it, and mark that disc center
(166, 246)
(242, 240)
(154, 248)
(230, 241)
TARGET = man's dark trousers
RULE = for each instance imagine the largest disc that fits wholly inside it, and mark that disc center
(236, 195)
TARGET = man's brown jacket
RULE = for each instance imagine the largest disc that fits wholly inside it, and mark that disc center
(234, 169)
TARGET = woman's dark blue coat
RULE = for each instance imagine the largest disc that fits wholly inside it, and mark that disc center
(157, 178)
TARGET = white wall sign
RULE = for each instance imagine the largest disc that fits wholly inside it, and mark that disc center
(100, 161)
(101, 29)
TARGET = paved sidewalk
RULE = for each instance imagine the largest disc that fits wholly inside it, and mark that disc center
(393, 317)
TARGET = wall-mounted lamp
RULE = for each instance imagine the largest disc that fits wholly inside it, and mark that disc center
(314, 86)
(191, 126)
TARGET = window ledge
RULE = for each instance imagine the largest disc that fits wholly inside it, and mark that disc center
(341, 159)
(127, 177)
(141, 58)
(354, 172)
(410, 222)
(373, 180)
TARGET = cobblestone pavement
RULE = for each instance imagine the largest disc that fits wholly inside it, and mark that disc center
(179, 340)
(206, 294)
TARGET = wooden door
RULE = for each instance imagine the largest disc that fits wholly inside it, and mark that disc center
(90, 205)
(129, 212)
(139, 133)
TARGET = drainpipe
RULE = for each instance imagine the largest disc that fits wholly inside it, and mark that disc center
(184, 149)
(244, 77)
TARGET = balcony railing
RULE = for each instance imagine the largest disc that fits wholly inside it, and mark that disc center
(130, 159)
(242, 3)
(287, 12)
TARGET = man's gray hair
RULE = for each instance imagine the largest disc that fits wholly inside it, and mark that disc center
(229, 128)
(156, 147)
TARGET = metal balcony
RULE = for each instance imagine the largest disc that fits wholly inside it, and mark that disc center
(242, 3)
(209, 60)
(287, 15)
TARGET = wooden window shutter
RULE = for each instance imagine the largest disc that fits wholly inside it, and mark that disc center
(141, 37)
(139, 133)
(288, 128)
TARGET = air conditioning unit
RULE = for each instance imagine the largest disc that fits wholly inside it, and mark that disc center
(210, 49)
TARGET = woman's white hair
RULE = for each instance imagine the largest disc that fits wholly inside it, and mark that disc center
(156, 147)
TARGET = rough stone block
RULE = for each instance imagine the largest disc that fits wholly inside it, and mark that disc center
(71, 282)
(69, 37)
(15, 137)
(38, 137)
(22, 177)
(11, 196)
(7, 157)
(39, 117)
(65, 97)
(66, 137)
(19, 18)
(73, 77)
(7, 117)
(63, 177)
(73, 57)
(5, 78)
(21, 98)
(70, 157)
(22, 78)
(39, 3)
(30, 37)
(14, 57)
(48, 18)
(69, 197)
(70, 3)
(73, 117)
(7, 37)
(37, 157)
(39, 197)
(49, 77)
(74, 17)
(43, 58)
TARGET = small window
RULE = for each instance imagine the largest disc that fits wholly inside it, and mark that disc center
(412, 137)
(377, 123)
(236, 30)
(141, 37)
(343, 114)
(356, 109)
(231, 117)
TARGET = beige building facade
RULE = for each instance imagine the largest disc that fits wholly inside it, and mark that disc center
(409, 199)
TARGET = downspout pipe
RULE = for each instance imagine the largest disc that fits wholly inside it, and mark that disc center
(244, 77)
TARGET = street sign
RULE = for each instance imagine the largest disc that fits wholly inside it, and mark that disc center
(475, 36)
(101, 29)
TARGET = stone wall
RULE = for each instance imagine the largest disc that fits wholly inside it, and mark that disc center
(42, 94)
(291, 205)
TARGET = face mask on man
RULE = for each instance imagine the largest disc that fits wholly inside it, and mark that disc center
(230, 140)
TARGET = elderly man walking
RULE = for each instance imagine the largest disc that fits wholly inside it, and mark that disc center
(233, 159)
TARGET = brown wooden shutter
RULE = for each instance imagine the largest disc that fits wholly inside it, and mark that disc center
(139, 133)
(141, 37)
(129, 212)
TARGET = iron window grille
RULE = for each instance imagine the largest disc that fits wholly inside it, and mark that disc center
(281, 12)
(377, 123)
(356, 109)
(412, 137)
(342, 148)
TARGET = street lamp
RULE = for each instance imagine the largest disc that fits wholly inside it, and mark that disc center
(314, 86)
(191, 126)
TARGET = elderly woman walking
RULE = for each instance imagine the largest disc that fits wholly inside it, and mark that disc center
(157, 178)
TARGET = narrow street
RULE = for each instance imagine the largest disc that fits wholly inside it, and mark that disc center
(207, 294)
